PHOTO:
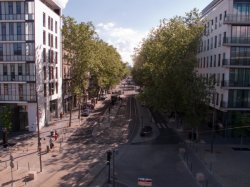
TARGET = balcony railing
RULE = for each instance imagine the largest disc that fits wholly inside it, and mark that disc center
(19, 78)
(239, 19)
(17, 17)
(11, 58)
(25, 98)
(235, 105)
(236, 62)
(235, 84)
(21, 37)
(236, 40)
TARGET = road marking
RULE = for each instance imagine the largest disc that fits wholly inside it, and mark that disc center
(158, 125)
(163, 125)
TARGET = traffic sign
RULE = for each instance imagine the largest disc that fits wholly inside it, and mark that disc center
(144, 182)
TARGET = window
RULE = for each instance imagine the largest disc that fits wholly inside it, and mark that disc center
(17, 48)
(10, 7)
(48, 22)
(214, 60)
(44, 55)
(18, 7)
(56, 57)
(49, 39)
(220, 16)
(5, 89)
(56, 42)
(27, 69)
(219, 58)
(20, 90)
(44, 19)
(19, 31)
(219, 42)
(44, 37)
(56, 26)
(1, 52)
(44, 73)
(20, 69)
(225, 15)
(3, 31)
(45, 90)
(5, 70)
(56, 72)
(215, 41)
(11, 28)
(51, 24)
(56, 87)
(212, 41)
(211, 61)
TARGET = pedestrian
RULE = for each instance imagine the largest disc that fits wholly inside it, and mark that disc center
(51, 143)
(56, 135)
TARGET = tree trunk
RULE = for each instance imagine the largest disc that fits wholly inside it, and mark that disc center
(5, 137)
(70, 113)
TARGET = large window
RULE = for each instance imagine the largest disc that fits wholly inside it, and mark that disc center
(10, 7)
(17, 48)
(18, 7)
(44, 19)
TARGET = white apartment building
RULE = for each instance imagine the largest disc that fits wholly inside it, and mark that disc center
(30, 61)
(224, 54)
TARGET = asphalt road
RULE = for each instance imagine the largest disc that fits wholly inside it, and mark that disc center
(157, 160)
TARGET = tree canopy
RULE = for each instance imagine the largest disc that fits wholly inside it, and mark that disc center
(164, 66)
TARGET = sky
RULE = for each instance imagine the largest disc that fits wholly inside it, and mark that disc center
(124, 23)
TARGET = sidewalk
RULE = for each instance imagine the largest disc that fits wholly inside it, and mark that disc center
(224, 167)
(26, 158)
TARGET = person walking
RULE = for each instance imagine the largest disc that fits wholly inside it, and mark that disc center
(51, 144)
(56, 135)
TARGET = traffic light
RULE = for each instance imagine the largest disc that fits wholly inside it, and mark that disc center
(109, 155)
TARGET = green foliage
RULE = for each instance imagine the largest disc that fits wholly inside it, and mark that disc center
(165, 67)
(241, 124)
(6, 117)
(91, 59)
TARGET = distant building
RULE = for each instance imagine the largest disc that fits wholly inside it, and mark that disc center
(224, 54)
(30, 61)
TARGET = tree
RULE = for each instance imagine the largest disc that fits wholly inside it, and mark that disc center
(241, 125)
(6, 121)
(165, 64)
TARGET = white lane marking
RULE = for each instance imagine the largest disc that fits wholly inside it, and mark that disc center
(158, 125)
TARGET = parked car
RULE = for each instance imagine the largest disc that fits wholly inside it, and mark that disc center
(146, 131)
(85, 112)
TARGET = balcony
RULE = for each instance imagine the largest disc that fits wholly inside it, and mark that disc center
(245, 63)
(240, 106)
(237, 19)
(17, 17)
(18, 78)
(20, 37)
(234, 84)
(239, 41)
(18, 98)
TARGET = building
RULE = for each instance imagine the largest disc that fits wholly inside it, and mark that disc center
(224, 54)
(30, 61)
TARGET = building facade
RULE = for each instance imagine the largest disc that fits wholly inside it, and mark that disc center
(30, 61)
(224, 55)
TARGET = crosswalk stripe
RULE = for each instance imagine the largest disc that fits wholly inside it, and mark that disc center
(158, 125)
(163, 125)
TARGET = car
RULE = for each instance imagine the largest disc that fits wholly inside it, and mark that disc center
(146, 131)
(85, 112)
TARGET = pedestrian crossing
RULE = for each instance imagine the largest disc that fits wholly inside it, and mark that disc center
(161, 125)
